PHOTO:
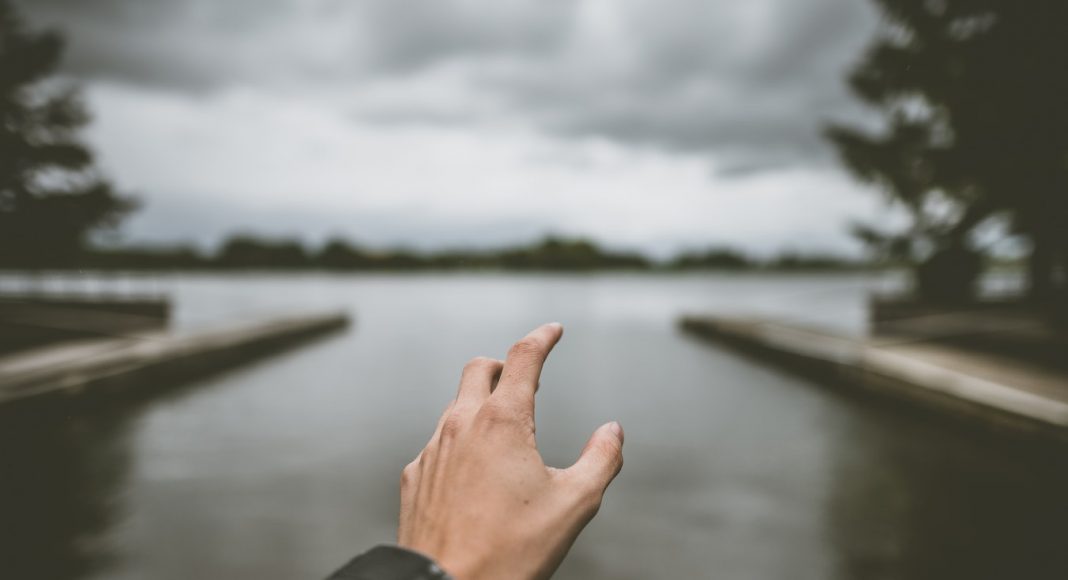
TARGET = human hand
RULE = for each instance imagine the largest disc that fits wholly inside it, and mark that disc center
(479, 499)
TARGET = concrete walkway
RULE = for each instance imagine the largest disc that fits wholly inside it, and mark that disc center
(999, 391)
(151, 359)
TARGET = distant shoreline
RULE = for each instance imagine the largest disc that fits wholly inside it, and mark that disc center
(550, 254)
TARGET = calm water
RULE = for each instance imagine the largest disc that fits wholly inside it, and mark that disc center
(285, 468)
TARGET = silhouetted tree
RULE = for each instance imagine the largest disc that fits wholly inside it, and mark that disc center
(339, 254)
(51, 199)
(145, 258)
(562, 254)
(974, 94)
(792, 260)
(715, 258)
(244, 251)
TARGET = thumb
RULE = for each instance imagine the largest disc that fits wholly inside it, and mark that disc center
(601, 458)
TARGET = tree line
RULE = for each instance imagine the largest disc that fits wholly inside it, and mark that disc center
(247, 252)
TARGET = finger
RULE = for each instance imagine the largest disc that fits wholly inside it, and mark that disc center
(409, 485)
(600, 461)
(429, 457)
(441, 422)
(522, 368)
(479, 377)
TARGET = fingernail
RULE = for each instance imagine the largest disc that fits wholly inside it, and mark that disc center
(616, 430)
(556, 326)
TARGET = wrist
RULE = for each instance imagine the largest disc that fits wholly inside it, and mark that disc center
(388, 562)
(457, 566)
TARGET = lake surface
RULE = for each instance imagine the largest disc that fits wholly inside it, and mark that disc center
(287, 467)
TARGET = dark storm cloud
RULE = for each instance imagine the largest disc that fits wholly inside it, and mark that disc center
(754, 89)
(747, 82)
(171, 45)
(196, 44)
(410, 34)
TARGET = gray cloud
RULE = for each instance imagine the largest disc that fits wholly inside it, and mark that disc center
(411, 34)
(196, 44)
(747, 82)
(754, 93)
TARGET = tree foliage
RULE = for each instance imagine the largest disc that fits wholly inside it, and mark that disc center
(974, 96)
(51, 197)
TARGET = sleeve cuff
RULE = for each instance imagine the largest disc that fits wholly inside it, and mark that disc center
(390, 563)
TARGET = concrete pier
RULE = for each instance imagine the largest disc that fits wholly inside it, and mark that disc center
(153, 359)
(998, 392)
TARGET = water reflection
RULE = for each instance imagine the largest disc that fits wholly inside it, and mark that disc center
(916, 498)
(64, 469)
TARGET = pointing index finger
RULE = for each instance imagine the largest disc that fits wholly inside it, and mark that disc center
(522, 368)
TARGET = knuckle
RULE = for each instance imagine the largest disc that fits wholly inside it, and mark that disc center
(491, 413)
(449, 410)
(408, 474)
(451, 427)
(424, 457)
(479, 363)
(525, 348)
(591, 494)
(505, 417)
(496, 414)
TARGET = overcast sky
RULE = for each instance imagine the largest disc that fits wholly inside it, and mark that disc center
(651, 124)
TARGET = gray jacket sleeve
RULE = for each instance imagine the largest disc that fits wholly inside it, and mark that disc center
(390, 563)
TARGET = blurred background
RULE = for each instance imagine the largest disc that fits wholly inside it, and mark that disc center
(812, 255)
